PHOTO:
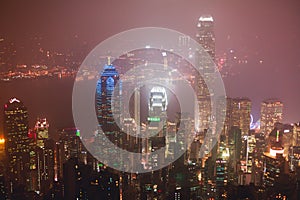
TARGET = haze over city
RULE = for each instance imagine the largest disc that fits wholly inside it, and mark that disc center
(84, 118)
(265, 34)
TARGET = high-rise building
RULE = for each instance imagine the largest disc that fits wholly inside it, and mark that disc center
(109, 77)
(41, 158)
(275, 163)
(3, 185)
(206, 35)
(42, 172)
(294, 157)
(238, 117)
(69, 146)
(271, 112)
(17, 143)
(108, 93)
(234, 145)
(296, 134)
(41, 130)
(240, 109)
(206, 38)
(221, 177)
(108, 109)
(284, 132)
(250, 153)
(157, 117)
(273, 167)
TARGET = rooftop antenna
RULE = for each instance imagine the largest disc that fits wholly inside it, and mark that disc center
(277, 136)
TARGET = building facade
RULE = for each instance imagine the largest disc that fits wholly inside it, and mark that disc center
(271, 112)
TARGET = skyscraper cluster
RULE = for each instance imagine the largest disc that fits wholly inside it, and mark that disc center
(252, 159)
(243, 163)
(34, 166)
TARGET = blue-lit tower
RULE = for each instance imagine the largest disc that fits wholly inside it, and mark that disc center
(105, 98)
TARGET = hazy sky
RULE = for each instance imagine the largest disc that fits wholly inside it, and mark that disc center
(263, 30)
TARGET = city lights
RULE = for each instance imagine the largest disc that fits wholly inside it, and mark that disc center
(140, 100)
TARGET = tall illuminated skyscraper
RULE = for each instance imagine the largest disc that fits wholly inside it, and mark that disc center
(17, 142)
(206, 38)
(156, 127)
(41, 161)
(236, 128)
(271, 112)
(109, 78)
(239, 111)
(157, 116)
(206, 35)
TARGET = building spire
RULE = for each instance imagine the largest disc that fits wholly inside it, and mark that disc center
(108, 60)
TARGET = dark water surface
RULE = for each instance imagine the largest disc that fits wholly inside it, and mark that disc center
(50, 98)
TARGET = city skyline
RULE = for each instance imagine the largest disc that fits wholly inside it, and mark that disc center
(265, 44)
(191, 100)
